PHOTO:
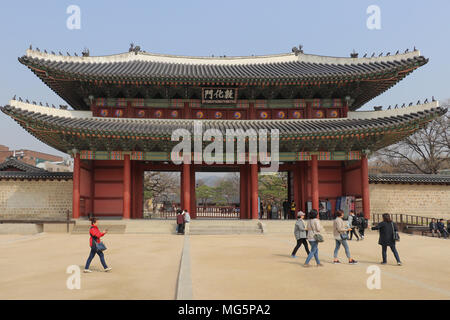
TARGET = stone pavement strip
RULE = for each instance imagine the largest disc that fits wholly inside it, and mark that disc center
(184, 284)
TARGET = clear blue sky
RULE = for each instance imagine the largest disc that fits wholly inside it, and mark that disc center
(229, 28)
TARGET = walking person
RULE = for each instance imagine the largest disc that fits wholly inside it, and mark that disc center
(387, 230)
(94, 243)
(300, 233)
(353, 223)
(187, 220)
(314, 237)
(340, 229)
(362, 225)
(180, 222)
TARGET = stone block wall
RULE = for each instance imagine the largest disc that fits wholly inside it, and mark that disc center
(31, 199)
(414, 199)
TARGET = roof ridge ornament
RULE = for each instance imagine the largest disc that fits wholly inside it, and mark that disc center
(354, 54)
(298, 50)
(134, 48)
(85, 52)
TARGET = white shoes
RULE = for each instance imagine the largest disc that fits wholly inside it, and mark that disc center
(87, 271)
(108, 269)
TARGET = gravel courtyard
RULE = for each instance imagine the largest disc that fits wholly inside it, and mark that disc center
(220, 267)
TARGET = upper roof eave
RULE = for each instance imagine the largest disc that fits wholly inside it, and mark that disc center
(239, 60)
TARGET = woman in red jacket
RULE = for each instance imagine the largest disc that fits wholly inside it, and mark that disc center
(94, 239)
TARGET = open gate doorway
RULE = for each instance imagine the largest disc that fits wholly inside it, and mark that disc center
(161, 194)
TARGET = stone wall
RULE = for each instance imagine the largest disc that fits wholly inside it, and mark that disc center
(51, 199)
(31, 199)
(414, 199)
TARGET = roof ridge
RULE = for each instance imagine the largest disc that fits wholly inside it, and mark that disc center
(217, 60)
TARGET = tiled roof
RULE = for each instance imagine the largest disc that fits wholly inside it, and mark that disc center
(410, 178)
(77, 78)
(286, 127)
(79, 132)
(19, 165)
(44, 175)
(145, 66)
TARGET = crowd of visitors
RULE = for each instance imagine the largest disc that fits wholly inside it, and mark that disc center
(310, 231)
(438, 228)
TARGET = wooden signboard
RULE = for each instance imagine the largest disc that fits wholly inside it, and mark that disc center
(219, 95)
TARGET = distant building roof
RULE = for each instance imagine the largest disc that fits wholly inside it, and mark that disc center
(13, 169)
(404, 178)
(17, 165)
(44, 175)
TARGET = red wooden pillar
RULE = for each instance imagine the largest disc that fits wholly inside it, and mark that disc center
(76, 187)
(126, 187)
(248, 214)
(315, 182)
(186, 187)
(193, 209)
(243, 192)
(92, 187)
(254, 190)
(365, 186)
(304, 182)
(296, 182)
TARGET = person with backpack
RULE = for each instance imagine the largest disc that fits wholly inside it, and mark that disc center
(363, 223)
(388, 236)
(96, 245)
(353, 223)
(340, 236)
(300, 234)
(314, 237)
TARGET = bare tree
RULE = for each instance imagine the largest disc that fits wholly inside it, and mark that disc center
(426, 151)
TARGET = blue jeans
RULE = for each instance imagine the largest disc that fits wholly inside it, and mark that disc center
(314, 252)
(338, 246)
(92, 255)
(394, 251)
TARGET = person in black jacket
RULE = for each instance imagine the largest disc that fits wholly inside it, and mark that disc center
(387, 229)
(441, 228)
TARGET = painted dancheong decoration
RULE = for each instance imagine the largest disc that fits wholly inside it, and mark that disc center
(122, 110)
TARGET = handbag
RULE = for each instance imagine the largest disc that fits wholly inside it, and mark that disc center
(344, 236)
(396, 235)
(318, 237)
(100, 246)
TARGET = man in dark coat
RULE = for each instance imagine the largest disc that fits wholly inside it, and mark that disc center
(441, 228)
(387, 229)
(434, 228)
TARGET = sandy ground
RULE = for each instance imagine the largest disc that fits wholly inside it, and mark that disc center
(144, 267)
(251, 267)
(222, 267)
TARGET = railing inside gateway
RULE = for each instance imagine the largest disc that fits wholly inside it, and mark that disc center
(222, 212)
(205, 212)
(406, 219)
